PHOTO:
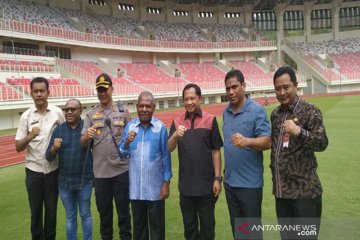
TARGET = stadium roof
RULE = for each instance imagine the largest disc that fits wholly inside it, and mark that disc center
(257, 4)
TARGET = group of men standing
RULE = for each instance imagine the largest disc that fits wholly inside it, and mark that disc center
(128, 161)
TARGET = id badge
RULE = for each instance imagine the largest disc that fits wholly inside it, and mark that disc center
(286, 140)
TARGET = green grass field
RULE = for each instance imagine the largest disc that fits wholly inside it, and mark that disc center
(338, 170)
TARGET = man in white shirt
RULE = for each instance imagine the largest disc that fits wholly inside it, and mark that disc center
(35, 128)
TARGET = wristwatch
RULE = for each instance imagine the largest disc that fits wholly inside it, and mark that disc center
(166, 181)
(218, 178)
(303, 132)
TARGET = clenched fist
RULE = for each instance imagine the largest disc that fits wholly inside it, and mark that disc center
(131, 136)
(35, 131)
(291, 127)
(239, 140)
(90, 133)
(180, 131)
(57, 143)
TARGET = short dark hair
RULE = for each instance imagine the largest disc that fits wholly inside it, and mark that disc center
(40, 80)
(235, 73)
(283, 70)
(192, 85)
(76, 100)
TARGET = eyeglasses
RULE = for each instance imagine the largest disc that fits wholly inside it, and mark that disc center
(70, 109)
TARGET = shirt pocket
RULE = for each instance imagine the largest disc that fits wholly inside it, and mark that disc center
(99, 126)
(119, 125)
(246, 128)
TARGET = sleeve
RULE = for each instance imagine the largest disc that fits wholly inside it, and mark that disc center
(313, 134)
(22, 130)
(272, 120)
(87, 124)
(272, 116)
(124, 153)
(172, 129)
(165, 154)
(262, 124)
(127, 115)
(61, 117)
(48, 156)
(216, 140)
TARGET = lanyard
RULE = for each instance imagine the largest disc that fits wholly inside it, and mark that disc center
(108, 123)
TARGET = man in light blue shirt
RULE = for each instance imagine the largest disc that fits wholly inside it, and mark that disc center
(246, 135)
(144, 143)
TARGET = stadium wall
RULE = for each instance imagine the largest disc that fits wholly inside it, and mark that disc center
(91, 51)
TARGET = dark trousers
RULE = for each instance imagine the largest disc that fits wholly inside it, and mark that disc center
(43, 194)
(299, 212)
(195, 210)
(244, 203)
(148, 215)
(107, 189)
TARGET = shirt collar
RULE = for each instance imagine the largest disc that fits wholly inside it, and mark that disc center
(77, 126)
(292, 106)
(197, 112)
(242, 109)
(48, 108)
(113, 107)
(138, 123)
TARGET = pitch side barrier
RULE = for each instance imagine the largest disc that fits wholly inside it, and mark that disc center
(22, 92)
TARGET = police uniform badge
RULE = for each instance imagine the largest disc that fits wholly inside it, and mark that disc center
(97, 116)
(119, 123)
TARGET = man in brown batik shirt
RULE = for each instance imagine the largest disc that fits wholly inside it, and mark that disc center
(297, 133)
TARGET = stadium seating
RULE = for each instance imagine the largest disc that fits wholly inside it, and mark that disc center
(344, 52)
(25, 66)
(25, 11)
(8, 93)
(254, 75)
(182, 32)
(125, 27)
(226, 33)
(146, 73)
(22, 11)
(96, 26)
(349, 63)
(347, 45)
(52, 81)
(90, 67)
(201, 72)
(58, 87)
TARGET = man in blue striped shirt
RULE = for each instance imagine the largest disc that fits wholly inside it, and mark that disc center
(144, 143)
(75, 170)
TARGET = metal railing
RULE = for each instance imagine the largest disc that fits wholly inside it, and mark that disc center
(27, 68)
(42, 30)
(22, 92)
(69, 66)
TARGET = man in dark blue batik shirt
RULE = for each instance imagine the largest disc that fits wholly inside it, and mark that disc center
(75, 170)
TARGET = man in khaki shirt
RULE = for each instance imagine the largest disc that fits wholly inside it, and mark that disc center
(102, 131)
(35, 128)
